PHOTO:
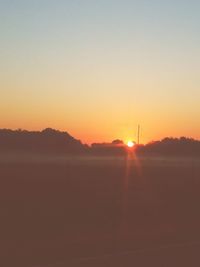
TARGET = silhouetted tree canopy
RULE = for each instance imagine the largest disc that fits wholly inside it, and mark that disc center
(48, 140)
(53, 141)
(172, 146)
(117, 142)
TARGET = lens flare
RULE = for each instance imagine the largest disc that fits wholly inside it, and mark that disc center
(130, 143)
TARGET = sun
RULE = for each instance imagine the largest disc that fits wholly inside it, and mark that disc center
(130, 143)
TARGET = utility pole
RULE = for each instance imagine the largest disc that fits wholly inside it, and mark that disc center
(138, 135)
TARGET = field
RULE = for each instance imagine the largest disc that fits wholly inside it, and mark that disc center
(99, 211)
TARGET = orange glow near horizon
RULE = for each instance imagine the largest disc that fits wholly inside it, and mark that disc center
(102, 133)
(98, 86)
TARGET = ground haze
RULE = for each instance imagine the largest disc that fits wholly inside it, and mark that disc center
(99, 211)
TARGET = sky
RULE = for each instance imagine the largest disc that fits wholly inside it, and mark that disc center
(98, 68)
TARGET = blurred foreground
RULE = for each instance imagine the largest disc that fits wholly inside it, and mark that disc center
(99, 211)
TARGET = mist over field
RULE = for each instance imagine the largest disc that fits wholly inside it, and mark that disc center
(99, 211)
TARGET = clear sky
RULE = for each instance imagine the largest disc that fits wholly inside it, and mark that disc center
(97, 68)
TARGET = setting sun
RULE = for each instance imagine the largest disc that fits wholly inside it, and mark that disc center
(130, 143)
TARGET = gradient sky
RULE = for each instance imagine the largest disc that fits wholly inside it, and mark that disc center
(97, 68)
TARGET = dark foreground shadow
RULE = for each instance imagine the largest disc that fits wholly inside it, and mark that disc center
(93, 211)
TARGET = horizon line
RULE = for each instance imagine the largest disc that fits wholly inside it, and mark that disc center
(97, 142)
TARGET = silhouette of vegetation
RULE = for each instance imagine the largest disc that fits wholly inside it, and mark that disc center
(54, 141)
(172, 146)
(48, 140)
(116, 147)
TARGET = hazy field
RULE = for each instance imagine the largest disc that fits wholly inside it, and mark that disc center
(99, 211)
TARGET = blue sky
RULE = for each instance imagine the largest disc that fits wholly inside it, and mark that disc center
(69, 64)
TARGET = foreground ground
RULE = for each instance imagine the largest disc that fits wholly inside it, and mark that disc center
(61, 211)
